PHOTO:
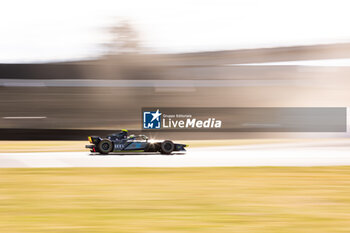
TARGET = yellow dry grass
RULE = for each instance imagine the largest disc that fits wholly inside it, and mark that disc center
(41, 146)
(158, 200)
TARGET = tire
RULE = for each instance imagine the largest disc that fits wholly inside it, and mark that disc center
(105, 146)
(166, 147)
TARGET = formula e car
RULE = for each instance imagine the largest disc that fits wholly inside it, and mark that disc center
(122, 143)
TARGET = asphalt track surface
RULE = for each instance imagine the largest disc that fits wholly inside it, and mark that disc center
(298, 154)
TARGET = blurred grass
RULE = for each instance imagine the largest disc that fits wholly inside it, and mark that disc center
(42, 146)
(74, 146)
(151, 200)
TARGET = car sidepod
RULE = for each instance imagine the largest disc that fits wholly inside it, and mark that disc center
(136, 146)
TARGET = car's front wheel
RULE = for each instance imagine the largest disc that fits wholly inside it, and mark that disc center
(167, 147)
(105, 146)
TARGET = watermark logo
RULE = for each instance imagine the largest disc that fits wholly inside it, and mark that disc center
(178, 118)
(192, 119)
(152, 120)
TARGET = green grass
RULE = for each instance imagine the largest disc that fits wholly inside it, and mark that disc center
(264, 200)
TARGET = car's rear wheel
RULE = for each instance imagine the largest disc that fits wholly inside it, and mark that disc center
(105, 146)
(167, 147)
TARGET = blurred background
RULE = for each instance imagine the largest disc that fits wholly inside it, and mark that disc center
(71, 69)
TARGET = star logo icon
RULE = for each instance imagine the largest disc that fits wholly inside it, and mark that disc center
(156, 115)
(152, 119)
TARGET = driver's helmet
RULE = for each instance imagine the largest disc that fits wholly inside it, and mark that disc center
(131, 137)
(123, 134)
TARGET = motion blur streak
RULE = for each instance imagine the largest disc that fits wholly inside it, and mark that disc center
(78, 95)
(26, 117)
(145, 83)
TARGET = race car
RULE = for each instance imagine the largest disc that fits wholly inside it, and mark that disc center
(121, 142)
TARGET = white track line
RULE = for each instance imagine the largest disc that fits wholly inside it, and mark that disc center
(306, 154)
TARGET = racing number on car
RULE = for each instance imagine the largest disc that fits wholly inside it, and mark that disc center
(119, 146)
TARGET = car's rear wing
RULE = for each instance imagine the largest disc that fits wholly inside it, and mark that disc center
(94, 139)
